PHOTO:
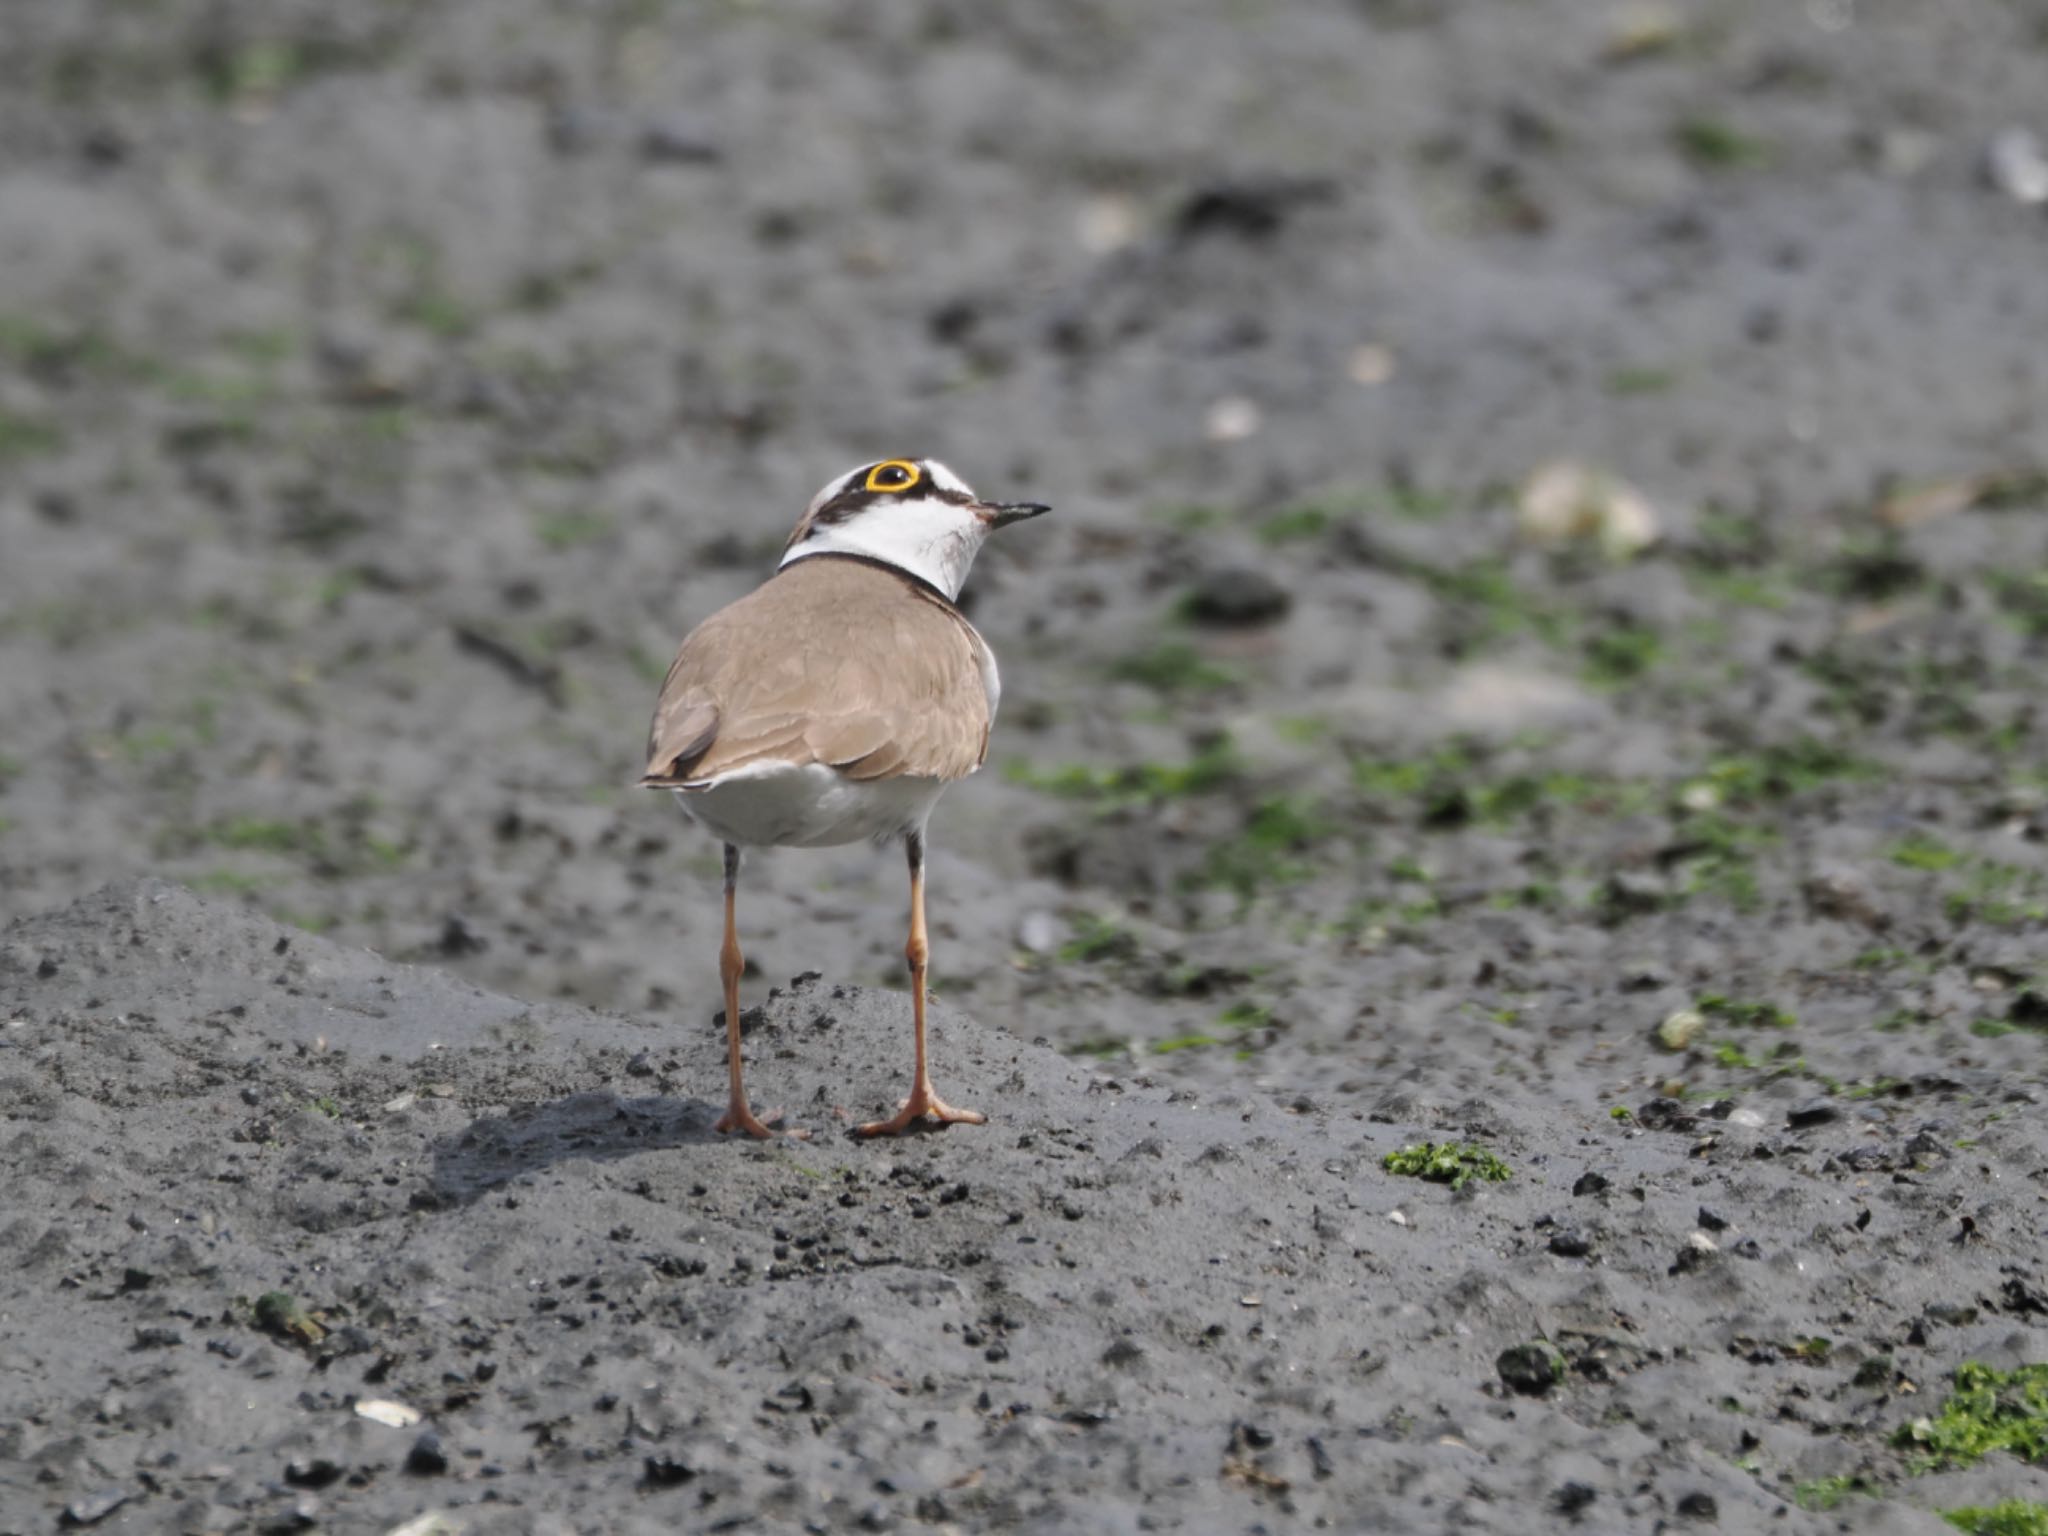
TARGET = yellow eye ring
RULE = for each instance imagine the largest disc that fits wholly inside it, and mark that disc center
(883, 477)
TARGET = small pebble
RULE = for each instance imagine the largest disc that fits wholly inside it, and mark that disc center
(1570, 1243)
(1679, 1030)
(1590, 1183)
(1812, 1112)
(1232, 419)
(1041, 933)
(2016, 166)
(95, 1507)
(427, 1458)
(380, 1410)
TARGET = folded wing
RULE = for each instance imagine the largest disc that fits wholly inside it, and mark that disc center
(830, 662)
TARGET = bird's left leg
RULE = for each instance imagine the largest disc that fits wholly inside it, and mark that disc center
(923, 1103)
(738, 1115)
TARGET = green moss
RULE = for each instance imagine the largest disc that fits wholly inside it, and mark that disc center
(1269, 850)
(1620, 654)
(1714, 145)
(1718, 857)
(1189, 517)
(1770, 588)
(1918, 850)
(1213, 767)
(566, 530)
(1456, 1164)
(1791, 768)
(260, 835)
(23, 437)
(1291, 525)
(1097, 938)
(1489, 604)
(2014, 1517)
(1173, 667)
(1642, 381)
(1192, 1042)
(1826, 1492)
(2022, 598)
(1753, 1014)
(1989, 1410)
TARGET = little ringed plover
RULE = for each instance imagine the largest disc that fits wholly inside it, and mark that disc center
(835, 703)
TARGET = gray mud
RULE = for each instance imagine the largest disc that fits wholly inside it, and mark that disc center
(383, 392)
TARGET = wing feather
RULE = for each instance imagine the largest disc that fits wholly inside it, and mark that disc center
(831, 662)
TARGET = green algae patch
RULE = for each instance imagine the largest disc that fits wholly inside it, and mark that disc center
(1454, 1163)
(1989, 1410)
(2014, 1517)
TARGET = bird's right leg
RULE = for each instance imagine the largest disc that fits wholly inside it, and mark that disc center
(737, 1116)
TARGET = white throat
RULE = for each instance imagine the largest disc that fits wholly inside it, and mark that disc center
(935, 541)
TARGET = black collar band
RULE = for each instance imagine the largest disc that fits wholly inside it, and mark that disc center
(881, 565)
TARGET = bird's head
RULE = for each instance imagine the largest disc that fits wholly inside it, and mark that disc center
(913, 514)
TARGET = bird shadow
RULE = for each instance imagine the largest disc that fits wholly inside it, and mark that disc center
(597, 1125)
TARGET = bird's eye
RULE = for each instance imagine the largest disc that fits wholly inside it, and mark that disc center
(894, 475)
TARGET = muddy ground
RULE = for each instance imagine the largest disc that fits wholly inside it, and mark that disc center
(385, 389)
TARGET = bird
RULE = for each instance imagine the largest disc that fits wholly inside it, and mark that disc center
(833, 704)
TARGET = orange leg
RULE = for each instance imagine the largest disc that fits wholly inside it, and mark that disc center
(737, 1116)
(923, 1103)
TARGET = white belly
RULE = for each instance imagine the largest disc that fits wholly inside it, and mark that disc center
(809, 807)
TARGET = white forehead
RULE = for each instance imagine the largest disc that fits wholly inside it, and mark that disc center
(937, 474)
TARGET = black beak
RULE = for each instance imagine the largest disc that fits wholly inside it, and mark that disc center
(1008, 512)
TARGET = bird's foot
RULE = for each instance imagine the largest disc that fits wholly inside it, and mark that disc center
(738, 1117)
(922, 1104)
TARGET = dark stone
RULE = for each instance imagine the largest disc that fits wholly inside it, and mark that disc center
(427, 1458)
(666, 1472)
(2020, 1296)
(311, 1472)
(1712, 1219)
(1692, 1257)
(1233, 597)
(1812, 1112)
(1699, 1506)
(458, 938)
(158, 1337)
(1570, 1498)
(1590, 1183)
(1531, 1369)
(1747, 1249)
(1248, 209)
(1662, 1114)
(1570, 1243)
(678, 140)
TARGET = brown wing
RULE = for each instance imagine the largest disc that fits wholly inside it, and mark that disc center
(830, 662)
